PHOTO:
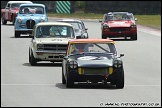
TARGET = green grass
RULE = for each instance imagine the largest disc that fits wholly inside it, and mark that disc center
(77, 15)
(153, 21)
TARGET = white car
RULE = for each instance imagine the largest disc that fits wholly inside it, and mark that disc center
(49, 41)
(79, 26)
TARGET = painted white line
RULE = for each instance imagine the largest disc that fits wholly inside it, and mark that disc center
(149, 30)
(26, 84)
(54, 84)
(143, 85)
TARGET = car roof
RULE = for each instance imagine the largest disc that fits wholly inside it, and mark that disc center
(91, 40)
(35, 4)
(20, 2)
(53, 23)
(116, 12)
(70, 20)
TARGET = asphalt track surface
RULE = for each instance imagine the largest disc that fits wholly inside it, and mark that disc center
(23, 85)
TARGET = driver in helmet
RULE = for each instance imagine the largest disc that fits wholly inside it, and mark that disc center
(78, 48)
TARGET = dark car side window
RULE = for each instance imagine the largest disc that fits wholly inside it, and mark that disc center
(8, 5)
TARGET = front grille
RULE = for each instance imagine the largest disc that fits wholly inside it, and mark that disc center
(54, 47)
(30, 24)
(97, 71)
(119, 29)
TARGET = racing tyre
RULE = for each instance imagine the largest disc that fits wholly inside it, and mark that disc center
(134, 37)
(13, 20)
(63, 78)
(17, 34)
(120, 81)
(33, 61)
(104, 37)
(29, 57)
(4, 22)
(69, 83)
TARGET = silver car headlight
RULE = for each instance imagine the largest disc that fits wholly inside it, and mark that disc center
(73, 64)
(19, 20)
(133, 25)
(105, 26)
(40, 46)
(41, 20)
(117, 63)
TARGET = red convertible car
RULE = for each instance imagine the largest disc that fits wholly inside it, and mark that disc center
(119, 24)
(9, 13)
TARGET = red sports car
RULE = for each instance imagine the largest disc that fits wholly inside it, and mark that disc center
(119, 24)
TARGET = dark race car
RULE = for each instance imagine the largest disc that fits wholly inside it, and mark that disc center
(94, 61)
(118, 24)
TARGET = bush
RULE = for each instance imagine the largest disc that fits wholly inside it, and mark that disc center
(80, 4)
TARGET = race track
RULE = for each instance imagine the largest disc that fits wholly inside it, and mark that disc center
(23, 85)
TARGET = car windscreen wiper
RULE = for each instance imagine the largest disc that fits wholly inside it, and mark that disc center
(82, 53)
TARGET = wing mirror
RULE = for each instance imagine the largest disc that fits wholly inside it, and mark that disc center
(121, 55)
(30, 35)
(81, 36)
(85, 36)
(65, 57)
(86, 28)
(100, 20)
(78, 37)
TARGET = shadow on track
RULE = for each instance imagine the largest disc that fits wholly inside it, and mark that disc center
(23, 36)
(87, 86)
(59, 64)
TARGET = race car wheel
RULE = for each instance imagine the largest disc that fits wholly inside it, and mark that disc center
(4, 22)
(63, 78)
(29, 56)
(134, 37)
(33, 61)
(120, 81)
(69, 83)
(17, 34)
(13, 20)
(104, 37)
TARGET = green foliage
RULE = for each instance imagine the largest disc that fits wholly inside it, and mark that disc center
(153, 21)
(80, 4)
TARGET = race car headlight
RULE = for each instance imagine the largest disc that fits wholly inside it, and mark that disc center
(105, 26)
(133, 25)
(41, 20)
(40, 46)
(19, 20)
(117, 63)
(73, 64)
